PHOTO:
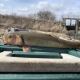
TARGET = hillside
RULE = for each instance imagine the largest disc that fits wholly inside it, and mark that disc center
(7, 21)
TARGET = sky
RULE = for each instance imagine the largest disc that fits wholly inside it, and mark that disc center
(25, 7)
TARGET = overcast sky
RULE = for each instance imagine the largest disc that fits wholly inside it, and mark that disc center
(59, 7)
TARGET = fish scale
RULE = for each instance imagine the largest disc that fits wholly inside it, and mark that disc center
(45, 40)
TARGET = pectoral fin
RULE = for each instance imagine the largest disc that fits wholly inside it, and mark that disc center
(26, 48)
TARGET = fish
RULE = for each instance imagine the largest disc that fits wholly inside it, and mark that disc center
(28, 39)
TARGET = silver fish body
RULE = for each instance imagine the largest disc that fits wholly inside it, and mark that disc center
(46, 40)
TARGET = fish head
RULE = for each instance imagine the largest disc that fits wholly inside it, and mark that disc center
(12, 39)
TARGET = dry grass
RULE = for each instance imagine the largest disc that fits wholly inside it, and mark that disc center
(34, 24)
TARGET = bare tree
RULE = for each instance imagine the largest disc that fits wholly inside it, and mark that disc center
(32, 15)
(48, 15)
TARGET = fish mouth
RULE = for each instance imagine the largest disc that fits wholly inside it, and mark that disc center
(5, 38)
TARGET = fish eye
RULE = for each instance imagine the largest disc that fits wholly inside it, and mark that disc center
(10, 36)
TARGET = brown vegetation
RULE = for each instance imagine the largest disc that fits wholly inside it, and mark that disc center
(43, 22)
(7, 21)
